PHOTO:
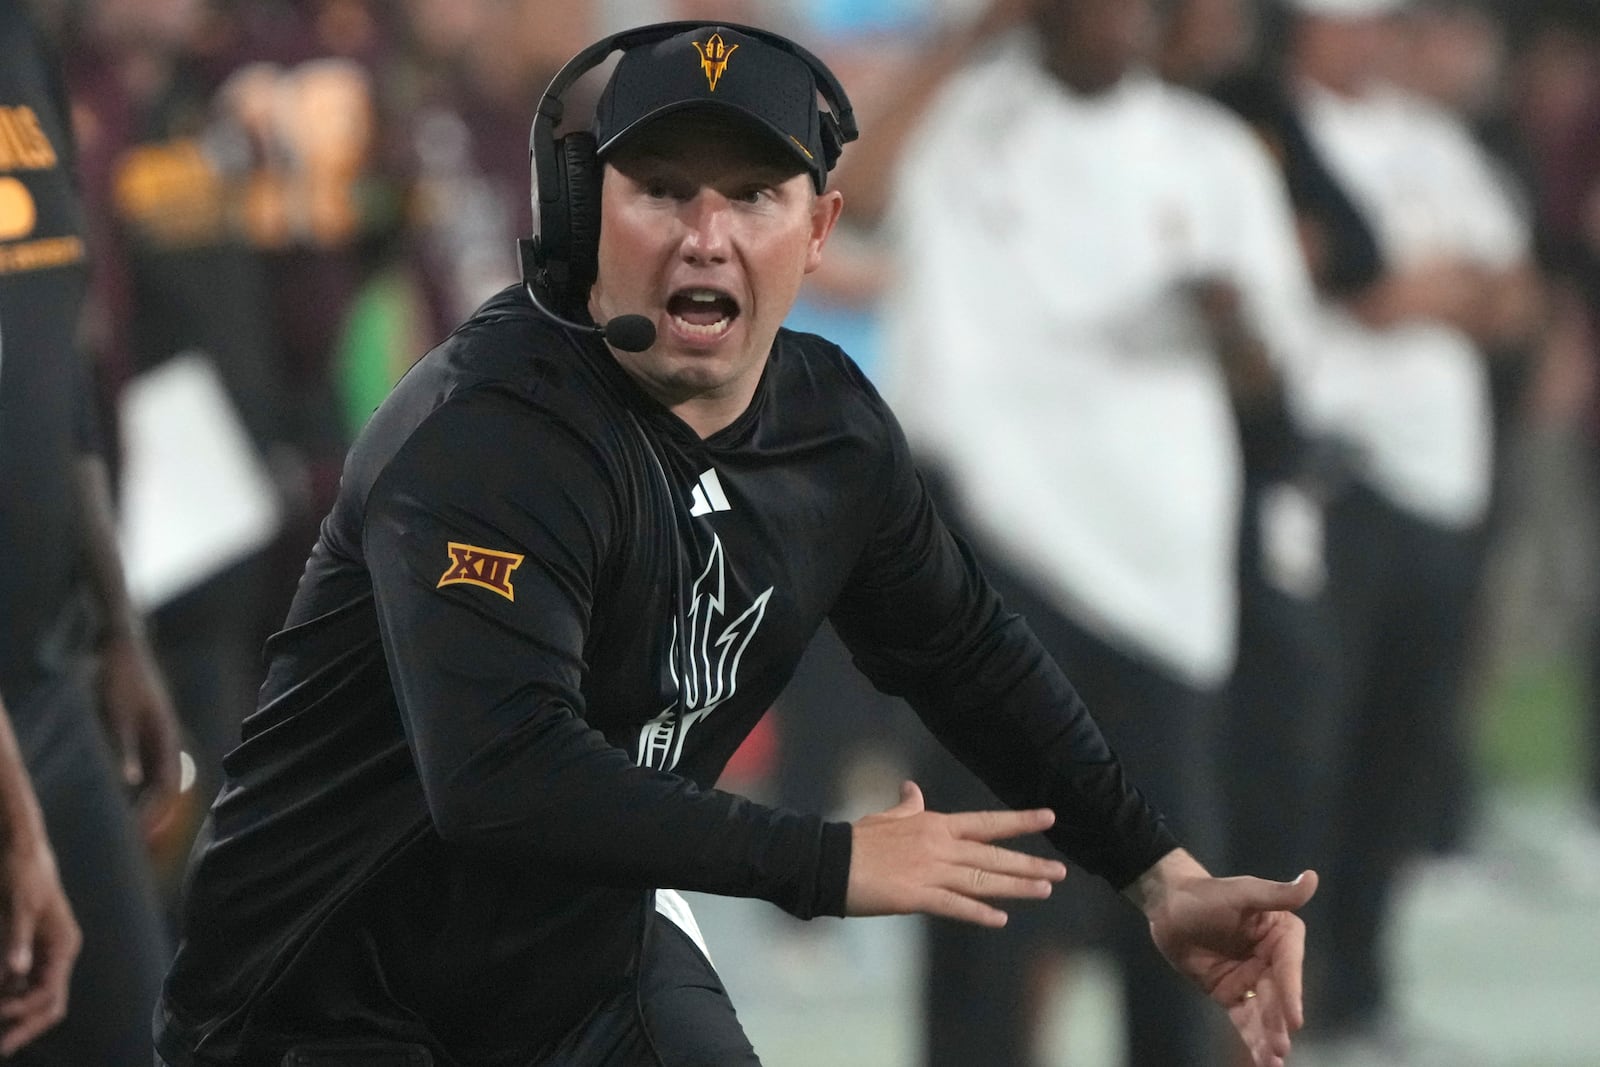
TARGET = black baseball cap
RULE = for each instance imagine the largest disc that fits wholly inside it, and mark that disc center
(716, 67)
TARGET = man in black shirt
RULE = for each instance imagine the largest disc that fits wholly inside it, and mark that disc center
(565, 577)
(71, 651)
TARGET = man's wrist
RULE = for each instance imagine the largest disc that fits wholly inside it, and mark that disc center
(1151, 889)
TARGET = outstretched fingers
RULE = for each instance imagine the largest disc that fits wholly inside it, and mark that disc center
(985, 870)
(995, 871)
(948, 904)
(1000, 825)
(958, 888)
(976, 871)
(963, 892)
(907, 859)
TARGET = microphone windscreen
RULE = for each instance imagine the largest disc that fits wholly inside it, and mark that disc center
(631, 333)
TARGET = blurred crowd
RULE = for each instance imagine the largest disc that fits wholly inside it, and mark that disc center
(1215, 322)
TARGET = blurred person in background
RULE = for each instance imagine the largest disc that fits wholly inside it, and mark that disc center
(452, 104)
(1231, 50)
(92, 718)
(1402, 376)
(42, 939)
(1069, 350)
(1280, 722)
(306, 150)
(1205, 42)
(461, 90)
(175, 274)
(1457, 54)
(1555, 109)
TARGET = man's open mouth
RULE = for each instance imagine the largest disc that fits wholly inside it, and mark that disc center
(703, 312)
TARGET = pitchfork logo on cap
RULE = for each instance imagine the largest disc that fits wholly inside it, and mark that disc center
(714, 58)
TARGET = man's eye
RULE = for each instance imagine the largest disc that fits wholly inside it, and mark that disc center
(753, 195)
(657, 190)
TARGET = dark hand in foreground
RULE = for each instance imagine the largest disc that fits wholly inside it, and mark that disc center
(908, 860)
(1239, 940)
(41, 943)
(138, 711)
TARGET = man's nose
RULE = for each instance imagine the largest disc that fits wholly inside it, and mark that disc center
(706, 227)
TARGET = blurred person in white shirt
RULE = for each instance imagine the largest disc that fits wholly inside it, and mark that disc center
(1402, 375)
(1092, 271)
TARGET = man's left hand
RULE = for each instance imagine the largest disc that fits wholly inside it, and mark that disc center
(1239, 940)
(138, 711)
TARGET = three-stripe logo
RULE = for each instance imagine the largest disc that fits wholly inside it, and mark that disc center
(708, 495)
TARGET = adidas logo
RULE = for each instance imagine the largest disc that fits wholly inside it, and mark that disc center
(708, 495)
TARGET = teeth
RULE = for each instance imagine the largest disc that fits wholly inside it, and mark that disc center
(710, 330)
(703, 298)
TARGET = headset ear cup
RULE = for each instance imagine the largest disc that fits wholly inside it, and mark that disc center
(578, 158)
(832, 141)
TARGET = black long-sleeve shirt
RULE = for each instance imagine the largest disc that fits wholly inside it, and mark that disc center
(539, 620)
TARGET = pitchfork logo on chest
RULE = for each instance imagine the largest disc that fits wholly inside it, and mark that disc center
(706, 667)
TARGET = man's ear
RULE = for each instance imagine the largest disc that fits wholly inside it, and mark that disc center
(825, 211)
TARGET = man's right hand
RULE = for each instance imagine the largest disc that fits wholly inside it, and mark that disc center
(41, 941)
(908, 860)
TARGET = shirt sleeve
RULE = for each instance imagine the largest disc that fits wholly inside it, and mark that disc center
(487, 537)
(924, 624)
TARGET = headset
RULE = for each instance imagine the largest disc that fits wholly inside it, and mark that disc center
(561, 260)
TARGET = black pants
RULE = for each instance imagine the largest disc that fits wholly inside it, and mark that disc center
(976, 992)
(680, 1015)
(1281, 723)
(107, 879)
(1403, 591)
